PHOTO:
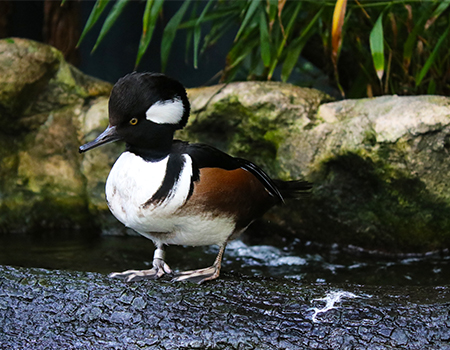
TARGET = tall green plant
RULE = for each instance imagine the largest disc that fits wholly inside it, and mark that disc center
(396, 46)
(406, 53)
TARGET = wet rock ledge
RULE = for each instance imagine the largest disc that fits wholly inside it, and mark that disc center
(42, 309)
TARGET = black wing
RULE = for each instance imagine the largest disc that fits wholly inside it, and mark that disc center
(205, 156)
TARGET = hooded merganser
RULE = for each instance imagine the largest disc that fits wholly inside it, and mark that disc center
(174, 192)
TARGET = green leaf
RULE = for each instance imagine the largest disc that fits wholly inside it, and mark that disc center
(285, 37)
(431, 90)
(441, 8)
(426, 67)
(151, 12)
(265, 39)
(217, 31)
(272, 11)
(209, 17)
(189, 31)
(239, 51)
(293, 19)
(93, 17)
(251, 10)
(377, 46)
(410, 42)
(169, 33)
(292, 58)
(112, 16)
(238, 54)
(198, 33)
(297, 46)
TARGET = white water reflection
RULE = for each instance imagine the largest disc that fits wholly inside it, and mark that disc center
(262, 255)
(331, 299)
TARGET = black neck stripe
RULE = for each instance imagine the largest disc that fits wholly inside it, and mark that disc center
(175, 165)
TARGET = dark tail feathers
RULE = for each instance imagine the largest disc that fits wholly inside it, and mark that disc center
(293, 189)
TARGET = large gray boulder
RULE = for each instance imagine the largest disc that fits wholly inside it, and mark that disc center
(382, 171)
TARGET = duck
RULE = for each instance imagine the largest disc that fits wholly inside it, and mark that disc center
(174, 192)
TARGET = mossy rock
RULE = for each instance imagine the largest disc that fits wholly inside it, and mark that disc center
(43, 103)
(252, 119)
(381, 170)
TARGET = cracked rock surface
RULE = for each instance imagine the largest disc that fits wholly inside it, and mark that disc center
(43, 309)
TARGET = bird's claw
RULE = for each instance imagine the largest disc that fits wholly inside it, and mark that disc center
(198, 276)
(160, 268)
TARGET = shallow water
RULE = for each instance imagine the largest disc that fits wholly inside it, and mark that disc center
(280, 258)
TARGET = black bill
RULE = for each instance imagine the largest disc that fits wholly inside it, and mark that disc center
(107, 136)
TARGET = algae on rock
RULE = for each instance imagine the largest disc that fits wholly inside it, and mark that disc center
(251, 119)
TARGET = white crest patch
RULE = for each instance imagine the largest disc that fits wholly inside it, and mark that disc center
(166, 112)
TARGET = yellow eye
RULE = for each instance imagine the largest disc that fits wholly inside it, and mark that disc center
(133, 121)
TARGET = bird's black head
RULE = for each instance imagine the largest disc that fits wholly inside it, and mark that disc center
(145, 109)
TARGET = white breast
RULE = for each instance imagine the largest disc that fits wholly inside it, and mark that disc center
(133, 181)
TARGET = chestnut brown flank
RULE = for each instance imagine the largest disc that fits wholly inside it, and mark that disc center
(237, 193)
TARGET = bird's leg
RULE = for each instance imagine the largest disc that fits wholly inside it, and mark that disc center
(158, 270)
(202, 275)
